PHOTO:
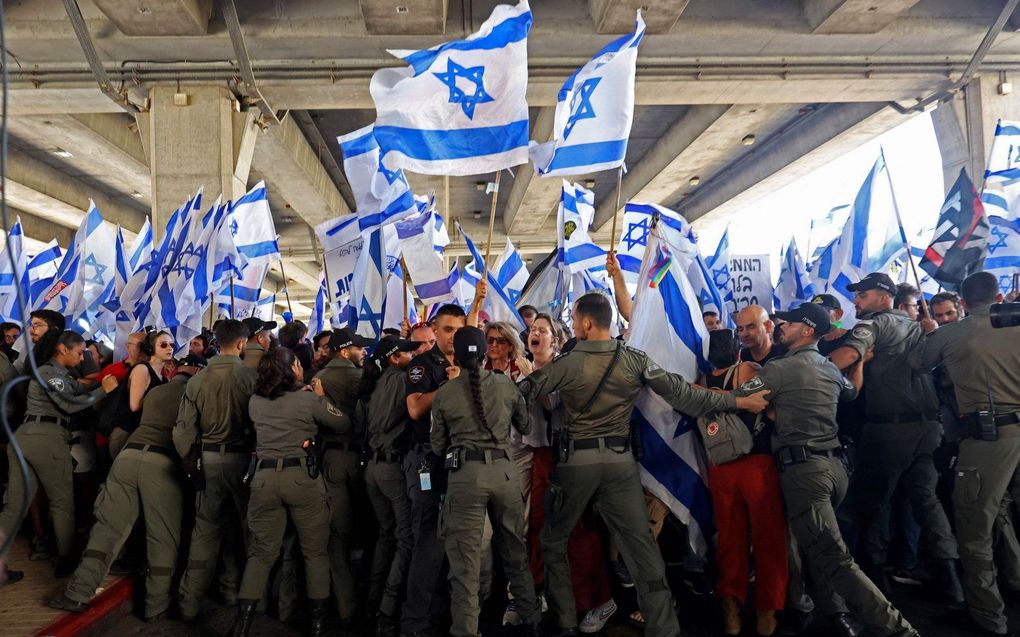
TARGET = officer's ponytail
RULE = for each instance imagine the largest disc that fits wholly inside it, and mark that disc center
(370, 375)
(469, 352)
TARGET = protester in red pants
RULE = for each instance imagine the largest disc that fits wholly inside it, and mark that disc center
(748, 506)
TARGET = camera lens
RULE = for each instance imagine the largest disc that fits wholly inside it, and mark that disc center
(1005, 315)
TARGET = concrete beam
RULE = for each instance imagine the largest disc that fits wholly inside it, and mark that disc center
(854, 16)
(404, 17)
(41, 231)
(322, 150)
(813, 140)
(952, 143)
(158, 17)
(532, 198)
(284, 155)
(617, 16)
(50, 194)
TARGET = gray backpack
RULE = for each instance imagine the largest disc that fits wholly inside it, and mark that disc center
(724, 434)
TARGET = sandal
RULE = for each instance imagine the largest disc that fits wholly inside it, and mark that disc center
(636, 619)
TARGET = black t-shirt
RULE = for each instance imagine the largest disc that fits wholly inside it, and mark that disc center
(777, 350)
(425, 374)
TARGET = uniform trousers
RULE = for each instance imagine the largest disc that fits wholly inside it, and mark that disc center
(220, 509)
(476, 490)
(387, 492)
(140, 481)
(275, 494)
(341, 475)
(812, 491)
(892, 454)
(748, 505)
(426, 598)
(45, 445)
(610, 480)
(985, 470)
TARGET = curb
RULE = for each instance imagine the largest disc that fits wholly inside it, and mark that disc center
(116, 595)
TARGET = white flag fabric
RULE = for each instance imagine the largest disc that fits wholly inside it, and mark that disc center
(368, 286)
(637, 225)
(458, 108)
(247, 293)
(794, 286)
(431, 279)
(719, 267)
(41, 270)
(1001, 199)
(394, 305)
(382, 196)
(511, 273)
(666, 323)
(576, 212)
(497, 301)
(251, 225)
(1003, 258)
(594, 111)
(14, 276)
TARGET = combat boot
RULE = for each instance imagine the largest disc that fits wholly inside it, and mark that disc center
(245, 617)
(951, 587)
(318, 628)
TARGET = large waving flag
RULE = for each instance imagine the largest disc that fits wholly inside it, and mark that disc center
(368, 286)
(458, 108)
(1001, 192)
(637, 225)
(1003, 258)
(547, 288)
(247, 293)
(577, 252)
(431, 279)
(382, 196)
(511, 273)
(961, 236)
(794, 286)
(497, 301)
(594, 111)
(719, 267)
(251, 225)
(666, 323)
(41, 270)
(14, 276)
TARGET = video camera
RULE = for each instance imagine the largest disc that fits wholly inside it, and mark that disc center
(1005, 315)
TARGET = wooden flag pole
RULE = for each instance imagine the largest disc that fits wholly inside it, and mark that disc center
(403, 272)
(492, 221)
(212, 309)
(232, 314)
(286, 288)
(903, 235)
(616, 211)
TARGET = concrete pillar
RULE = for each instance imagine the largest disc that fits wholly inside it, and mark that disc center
(983, 106)
(195, 137)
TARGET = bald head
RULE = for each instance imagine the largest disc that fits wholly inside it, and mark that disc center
(754, 328)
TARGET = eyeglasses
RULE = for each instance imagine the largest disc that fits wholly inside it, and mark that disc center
(497, 340)
(165, 345)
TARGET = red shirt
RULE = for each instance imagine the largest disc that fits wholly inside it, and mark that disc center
(119, 370)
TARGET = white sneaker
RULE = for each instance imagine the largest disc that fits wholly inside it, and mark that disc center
(543, 603)
(595, 619)
(511, 617)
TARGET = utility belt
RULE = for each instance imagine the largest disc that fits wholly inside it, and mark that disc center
(455, 456)
(910, 416)
(786, 456)
(565, 446)
(279, 464)
(388, 458)
(163, 451)
(342, 446)
(984, 425)
(231, 447)
(56, 420)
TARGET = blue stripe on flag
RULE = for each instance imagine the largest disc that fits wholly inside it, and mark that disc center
(250, 197)
(242, 293)
(253, 250)
(679, 315)
(452, 144)
(405, 202)
(340, 226)
(587, 154)
(359, 145)
(433, 289)
(1006, 130)
(582, 252)
(512, 30)
(994, 200)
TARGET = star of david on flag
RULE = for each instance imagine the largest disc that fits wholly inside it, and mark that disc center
(482, 125)
(594, 112)
(381, 195)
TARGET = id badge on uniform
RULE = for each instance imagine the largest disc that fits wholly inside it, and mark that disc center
(425, 478)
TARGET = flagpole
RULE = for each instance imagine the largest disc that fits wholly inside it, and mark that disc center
(616, 211)
(403, 273)
(232, 315)
(903, 235)
(286, 288)
(492, 222)
(212, 308)
(329, 288)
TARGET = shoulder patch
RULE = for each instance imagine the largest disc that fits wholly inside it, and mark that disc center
(634, 349)
(56, 383)
(416, 373)
(862, 331)
(562, 355)
(712, 428)
(754, 384)
(333, 410)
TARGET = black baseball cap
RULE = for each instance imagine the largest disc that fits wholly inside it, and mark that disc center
(468, 343)
(390, 345)
(874, 281)
(810, 314)
(192, 360)
(256, 325)
(346, 337)
(827, 301)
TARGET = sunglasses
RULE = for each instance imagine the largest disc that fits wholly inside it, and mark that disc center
(497, 340)
(166, 345)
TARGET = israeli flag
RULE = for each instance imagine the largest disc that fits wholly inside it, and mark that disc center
(458, 108)
(548, 288)
(317, 320)
(637, 225)
(511, 273)
(1003, 259)
(594, 111)
(431, 280)
(14, 276)
(577, 210)
(666, 323)
(382, 196)
(251, 226)
(41, 270)
(247, 293)
(394, 306)
(497, 301)
(794, 286)
(368, 288)
(140, 291)
(719, 267)
(1001, 192)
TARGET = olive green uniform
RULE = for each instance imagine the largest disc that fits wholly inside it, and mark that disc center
(386, 420)
(340, 380)
(901, 432)
(601, 469)
(984, 365)
(485, 483)
(215, 407)
(44, 439)
(282, 486)
(253, 353)
(805, 388)
(143, 479)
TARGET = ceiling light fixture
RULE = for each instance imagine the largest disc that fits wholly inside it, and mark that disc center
(695, 180)
(748, 140)
(62, 153)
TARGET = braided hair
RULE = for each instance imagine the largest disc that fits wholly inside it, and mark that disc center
(469, 352)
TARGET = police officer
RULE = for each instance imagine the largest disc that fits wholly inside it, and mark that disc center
(900, 434)
(214, 414)
(598, 381)
(259, 340)
(805, 388)
(984, 365)
(340, 379)
(425, 478)
(145, 474)
(285, 482)
(471, 419)
(384, 412)
(44, 439)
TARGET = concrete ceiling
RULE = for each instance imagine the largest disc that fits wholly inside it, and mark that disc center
(808, 79)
